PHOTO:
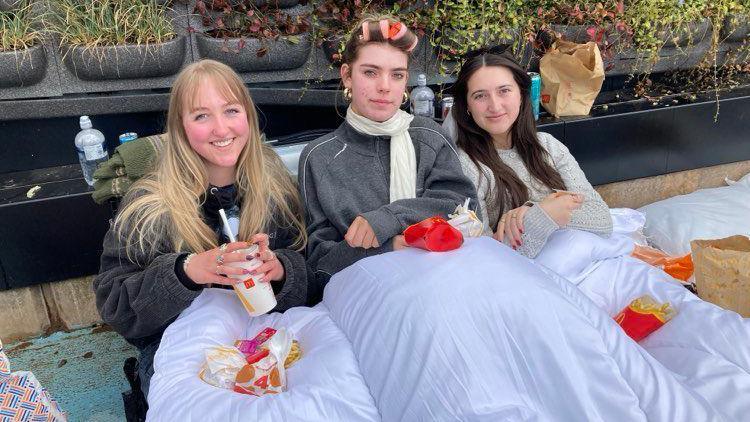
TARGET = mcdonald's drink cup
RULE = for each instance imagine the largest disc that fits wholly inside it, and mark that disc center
(256, 297)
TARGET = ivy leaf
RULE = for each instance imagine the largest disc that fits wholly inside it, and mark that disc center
(293, 39)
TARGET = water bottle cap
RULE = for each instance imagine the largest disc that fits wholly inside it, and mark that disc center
(85, 122)
(421, 79)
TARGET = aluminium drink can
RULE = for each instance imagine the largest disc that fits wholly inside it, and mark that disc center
(128, 136)
(535, 93)
(445, 105)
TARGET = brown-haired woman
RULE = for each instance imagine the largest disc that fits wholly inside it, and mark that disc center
(382, 169)
(528, 183)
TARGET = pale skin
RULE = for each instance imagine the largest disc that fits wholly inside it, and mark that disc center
(218, 130)
(494, 102)
(377, 80)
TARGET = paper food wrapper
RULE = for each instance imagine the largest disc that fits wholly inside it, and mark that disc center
(643, 316)
(222, 365)
(679, 267)
(265, 372)
(466, 221)
(252, 366)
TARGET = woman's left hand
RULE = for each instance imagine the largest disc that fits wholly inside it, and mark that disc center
(511, 226)
(271, 269)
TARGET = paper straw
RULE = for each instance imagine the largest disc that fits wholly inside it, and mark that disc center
(224, 220)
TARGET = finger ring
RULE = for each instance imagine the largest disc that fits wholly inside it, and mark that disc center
(220, 260)
(223, 247)
(513, 216)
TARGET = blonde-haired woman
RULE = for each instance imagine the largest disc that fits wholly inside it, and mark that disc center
(167, 242)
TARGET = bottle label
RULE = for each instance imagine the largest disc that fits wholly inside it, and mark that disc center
(423, 108)
(94, 152)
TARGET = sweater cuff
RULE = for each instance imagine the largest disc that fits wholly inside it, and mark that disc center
(538, 226)
(179, 270)
(171, 284)
(293, 291)
(384, 224)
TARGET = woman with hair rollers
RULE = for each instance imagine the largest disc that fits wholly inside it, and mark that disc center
(382, 169)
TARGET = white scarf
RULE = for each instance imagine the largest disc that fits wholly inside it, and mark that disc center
(403, 158)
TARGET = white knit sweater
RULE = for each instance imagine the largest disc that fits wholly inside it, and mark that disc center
(593, 216)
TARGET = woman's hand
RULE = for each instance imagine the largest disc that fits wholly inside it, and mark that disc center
(511, 226)
(560, 206)
(272, 269)
(361, 235)
(399, 242)
(210, 267)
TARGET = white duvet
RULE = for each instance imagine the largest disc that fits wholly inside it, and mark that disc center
(476, 334)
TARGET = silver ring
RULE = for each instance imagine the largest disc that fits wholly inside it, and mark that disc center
(220, 260)
(223, 247)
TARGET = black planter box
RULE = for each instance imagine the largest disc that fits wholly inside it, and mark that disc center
(23, 68)
(280, 54)
(126, 61)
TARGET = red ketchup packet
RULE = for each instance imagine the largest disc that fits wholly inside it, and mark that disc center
(643, 316)
(433, 234)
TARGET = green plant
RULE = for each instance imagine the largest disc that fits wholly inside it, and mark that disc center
(459, 26)
(19, 29)
(228, 19)
(333, 19)
(98, 23)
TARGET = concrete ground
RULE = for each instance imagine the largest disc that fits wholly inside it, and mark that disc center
(81, 369)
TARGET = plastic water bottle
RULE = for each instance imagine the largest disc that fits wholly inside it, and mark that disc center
(422, 98)
(91, 149)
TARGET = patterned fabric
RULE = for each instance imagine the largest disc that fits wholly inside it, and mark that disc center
(22, 398)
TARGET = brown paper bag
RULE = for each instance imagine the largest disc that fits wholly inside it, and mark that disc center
(572, 76)
(722, 272)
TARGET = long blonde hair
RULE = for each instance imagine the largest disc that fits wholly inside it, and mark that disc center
(165, 204)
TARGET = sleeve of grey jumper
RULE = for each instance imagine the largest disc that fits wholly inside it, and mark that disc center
(327, 251)
(138, 300)
(292, 291)
(445, 187)
(593, 216)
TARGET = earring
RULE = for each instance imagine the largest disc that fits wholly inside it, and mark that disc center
(406, 98)
(348, 94)
(468, 112)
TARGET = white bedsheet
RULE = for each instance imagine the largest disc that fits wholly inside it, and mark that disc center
(325, 385)
(476, 334)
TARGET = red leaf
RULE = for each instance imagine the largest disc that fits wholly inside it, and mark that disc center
(592, 32)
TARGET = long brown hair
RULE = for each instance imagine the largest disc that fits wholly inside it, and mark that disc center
(510, 192)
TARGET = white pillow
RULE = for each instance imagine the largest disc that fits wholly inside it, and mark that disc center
(704, 214)
(570, 252)
(629, 222)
